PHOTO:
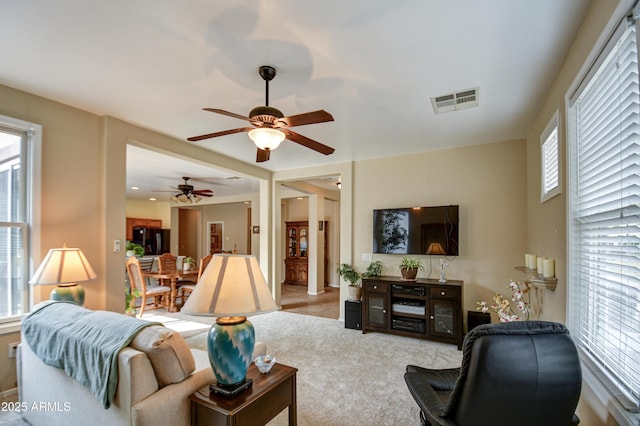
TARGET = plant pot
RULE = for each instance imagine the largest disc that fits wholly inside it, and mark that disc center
(409, 274)
(130, 253)
(186, 267)
(355, 293)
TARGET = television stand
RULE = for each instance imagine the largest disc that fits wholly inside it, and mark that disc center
(425, 308)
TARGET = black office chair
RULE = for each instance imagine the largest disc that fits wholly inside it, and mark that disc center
(517, 373)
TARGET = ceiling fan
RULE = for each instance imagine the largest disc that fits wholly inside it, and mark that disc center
(187, 193)
(271, 127)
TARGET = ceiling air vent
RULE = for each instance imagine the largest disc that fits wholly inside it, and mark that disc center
(455, 101)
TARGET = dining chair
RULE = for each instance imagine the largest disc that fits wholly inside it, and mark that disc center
(188, 288)
(137, 282)
(146, 264)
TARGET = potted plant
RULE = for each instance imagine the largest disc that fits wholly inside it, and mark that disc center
(188, 263)
(134, 249)
(354, 278)
(409, 267)
(373, 270)
(130, 298)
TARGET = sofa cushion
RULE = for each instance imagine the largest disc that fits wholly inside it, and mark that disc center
(169, 354)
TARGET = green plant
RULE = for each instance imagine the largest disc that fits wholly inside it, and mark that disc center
(129, 300)
(347, 272)
(138, 250)
(411, 263)
(189, 261)
(373, 270)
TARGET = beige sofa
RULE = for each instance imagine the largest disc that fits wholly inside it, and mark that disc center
(156, 374)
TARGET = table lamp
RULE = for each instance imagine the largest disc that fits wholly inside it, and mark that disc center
(231, 287)
(436, 248)
(65, 267)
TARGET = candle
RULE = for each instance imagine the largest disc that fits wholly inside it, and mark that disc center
(540, 268)
(548, 268)
(530, 261)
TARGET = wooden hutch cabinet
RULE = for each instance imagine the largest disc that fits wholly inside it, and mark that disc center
(424, 308)
(296, 263)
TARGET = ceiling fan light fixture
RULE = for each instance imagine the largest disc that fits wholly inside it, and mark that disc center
(183, 198)
(196, 199)
(266, 138)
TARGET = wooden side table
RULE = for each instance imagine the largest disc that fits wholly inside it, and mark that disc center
(268, 396)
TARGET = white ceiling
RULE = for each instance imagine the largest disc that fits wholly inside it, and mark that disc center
(373, 64)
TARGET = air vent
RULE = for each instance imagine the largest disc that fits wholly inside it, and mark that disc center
(455, 101)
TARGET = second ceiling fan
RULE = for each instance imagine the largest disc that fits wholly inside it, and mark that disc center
(270, 126)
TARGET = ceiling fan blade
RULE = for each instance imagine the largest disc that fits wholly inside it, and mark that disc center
(262, 155)
(227, 113)
(309, 143)
(216, 134)
(320, 116)
(205, 192)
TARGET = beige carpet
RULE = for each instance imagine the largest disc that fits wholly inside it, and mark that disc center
(344, 377)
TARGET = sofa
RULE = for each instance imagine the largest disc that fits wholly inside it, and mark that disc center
(156, 373)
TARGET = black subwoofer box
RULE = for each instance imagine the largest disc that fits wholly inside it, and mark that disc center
(352, 315)
(475, 319)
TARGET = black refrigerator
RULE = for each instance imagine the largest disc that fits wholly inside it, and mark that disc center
(154, 241)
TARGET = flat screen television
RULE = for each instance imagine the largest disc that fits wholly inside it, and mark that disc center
(412, 230)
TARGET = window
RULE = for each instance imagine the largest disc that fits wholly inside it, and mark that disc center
(19, 155)
(550, 152)
(604, 218)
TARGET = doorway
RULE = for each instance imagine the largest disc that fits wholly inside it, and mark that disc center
(215, 234)
(188, 221)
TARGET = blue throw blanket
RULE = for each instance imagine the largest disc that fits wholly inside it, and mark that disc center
(82, 342)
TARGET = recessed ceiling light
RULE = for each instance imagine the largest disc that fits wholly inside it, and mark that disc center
(135, 187)
(152, 199)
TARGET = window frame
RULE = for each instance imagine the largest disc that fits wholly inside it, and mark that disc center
(595, 377)
(553, 125)
(31, 165)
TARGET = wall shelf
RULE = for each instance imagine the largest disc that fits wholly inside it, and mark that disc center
(538, 281)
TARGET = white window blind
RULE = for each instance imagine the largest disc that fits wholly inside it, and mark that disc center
(550, 161)
(604, 208)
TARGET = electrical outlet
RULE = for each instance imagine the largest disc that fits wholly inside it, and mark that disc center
(13, 348)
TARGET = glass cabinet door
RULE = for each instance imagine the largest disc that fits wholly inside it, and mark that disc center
(442, 318)
(303, 242)
(293, 243)
(377, 310)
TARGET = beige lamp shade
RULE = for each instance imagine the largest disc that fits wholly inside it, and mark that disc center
(64, 265)
(435, 248)
(231, 285)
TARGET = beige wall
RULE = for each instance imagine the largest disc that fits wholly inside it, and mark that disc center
(236, 228)
(71, 170)
(486, 181)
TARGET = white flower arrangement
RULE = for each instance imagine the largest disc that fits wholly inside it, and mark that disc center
(507, 311)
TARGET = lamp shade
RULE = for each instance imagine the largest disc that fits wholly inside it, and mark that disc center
(266, 138)
(435, 248)
(231, 285)
(64, 265)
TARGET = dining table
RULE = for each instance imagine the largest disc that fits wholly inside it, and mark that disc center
(173, 278)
